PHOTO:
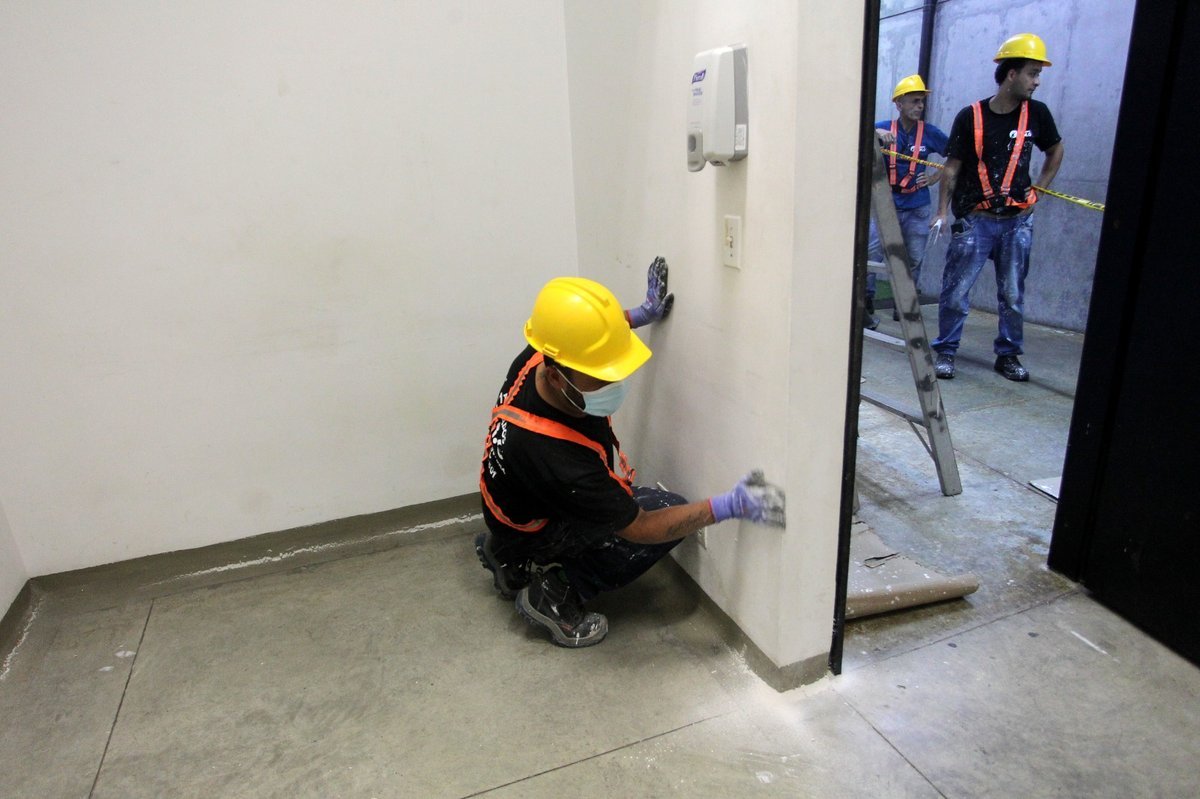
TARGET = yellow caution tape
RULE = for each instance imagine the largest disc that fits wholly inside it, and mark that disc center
(1077, 200)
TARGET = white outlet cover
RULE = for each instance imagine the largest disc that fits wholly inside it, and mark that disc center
(731, 242)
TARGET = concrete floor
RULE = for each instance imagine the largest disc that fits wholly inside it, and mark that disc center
(1005, 434)
(393, 669)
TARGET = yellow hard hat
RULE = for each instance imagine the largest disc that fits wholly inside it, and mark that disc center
(1023, 45)
(580, 324)
(912, 83)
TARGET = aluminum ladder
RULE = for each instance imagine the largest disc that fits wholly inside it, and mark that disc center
(930, 414)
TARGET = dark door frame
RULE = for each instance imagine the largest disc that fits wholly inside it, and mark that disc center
(866, 167)
(1127, 525)
(1127, 218)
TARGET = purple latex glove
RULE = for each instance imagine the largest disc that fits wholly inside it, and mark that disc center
(658, 302)
(753, 499)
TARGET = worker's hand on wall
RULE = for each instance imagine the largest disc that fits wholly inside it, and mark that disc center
(753, 499)
(658, 302)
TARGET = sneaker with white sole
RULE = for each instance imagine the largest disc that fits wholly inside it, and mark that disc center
(551, 602)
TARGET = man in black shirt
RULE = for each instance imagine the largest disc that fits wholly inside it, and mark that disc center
(565, 520)
(986, 177)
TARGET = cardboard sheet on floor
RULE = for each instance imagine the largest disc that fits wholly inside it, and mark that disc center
(883, 579)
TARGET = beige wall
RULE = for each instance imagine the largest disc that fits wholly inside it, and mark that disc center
(751, 370)
(12, 566)
(263, 264)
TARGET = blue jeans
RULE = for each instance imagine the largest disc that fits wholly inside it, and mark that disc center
(976, 239)
(914, 226)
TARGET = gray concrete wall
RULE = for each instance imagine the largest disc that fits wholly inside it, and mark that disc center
(1087, 41)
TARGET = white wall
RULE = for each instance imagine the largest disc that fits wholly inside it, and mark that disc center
(12, 566)
(263, 264)
(751, 369)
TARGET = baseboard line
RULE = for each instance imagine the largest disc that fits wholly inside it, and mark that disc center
(781, 678)
(153, 576)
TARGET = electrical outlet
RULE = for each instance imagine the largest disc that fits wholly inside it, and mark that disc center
(731, 242)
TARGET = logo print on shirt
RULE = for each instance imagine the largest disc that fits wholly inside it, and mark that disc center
(495, 462)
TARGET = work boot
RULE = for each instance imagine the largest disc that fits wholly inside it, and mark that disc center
(550, 601)
(1011, 368)
(945, 366)
(870, 320)
(509, 578)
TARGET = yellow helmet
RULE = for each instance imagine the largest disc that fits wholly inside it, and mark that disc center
(912, 83)
(580, 324)
(1023, 45)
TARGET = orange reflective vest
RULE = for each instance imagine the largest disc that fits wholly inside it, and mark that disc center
(506, 413)
(904, 184)
(991, 197)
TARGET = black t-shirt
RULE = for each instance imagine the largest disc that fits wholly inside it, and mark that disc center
(999, 136)
(532, 476)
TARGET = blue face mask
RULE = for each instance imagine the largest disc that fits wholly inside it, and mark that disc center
(601, 402)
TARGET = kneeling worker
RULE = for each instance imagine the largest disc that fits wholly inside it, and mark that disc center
(564, 519)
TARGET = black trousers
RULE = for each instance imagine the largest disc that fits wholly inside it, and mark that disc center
(595, 560)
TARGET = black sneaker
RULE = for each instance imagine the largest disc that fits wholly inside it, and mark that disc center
(1011, 368)
(944, 366)
(509, 578)
(550, 602)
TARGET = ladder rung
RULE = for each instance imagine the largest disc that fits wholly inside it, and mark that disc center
(906, 412)
(885, 340)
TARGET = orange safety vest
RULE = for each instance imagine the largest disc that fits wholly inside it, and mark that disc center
(904, 186)
(505, 412)
(990, 195)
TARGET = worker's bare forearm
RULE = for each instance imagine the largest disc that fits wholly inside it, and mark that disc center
(949, 181)
(1054, 157)
(669, 524)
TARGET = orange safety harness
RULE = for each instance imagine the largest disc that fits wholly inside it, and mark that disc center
(990, 195)
(505, 412)
(904, 184)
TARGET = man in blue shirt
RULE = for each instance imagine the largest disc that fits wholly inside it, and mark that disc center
(988, 187)
(910, 182)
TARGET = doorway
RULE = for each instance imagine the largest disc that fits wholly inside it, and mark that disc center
(1009, 437)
